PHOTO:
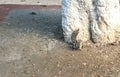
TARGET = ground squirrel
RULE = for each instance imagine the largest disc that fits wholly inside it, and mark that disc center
(76, 44)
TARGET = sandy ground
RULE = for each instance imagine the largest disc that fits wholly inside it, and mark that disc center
(32, 2)
(31, 45)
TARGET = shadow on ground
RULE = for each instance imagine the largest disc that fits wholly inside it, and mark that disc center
(43, 22)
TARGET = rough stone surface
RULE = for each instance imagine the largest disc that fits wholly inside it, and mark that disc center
(97, 20)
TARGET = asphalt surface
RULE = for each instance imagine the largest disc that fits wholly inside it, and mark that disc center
(32, 2)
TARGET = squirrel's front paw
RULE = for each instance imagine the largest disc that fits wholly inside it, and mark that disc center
(76, 46)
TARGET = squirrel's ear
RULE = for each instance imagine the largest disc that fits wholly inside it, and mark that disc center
(77, 30)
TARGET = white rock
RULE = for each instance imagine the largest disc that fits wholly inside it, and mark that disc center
(95, 19)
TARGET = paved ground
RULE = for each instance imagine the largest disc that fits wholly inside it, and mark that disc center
(31, 45)
(32, 2)
(6, 8)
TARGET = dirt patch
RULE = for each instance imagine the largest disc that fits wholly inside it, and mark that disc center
(33, 46)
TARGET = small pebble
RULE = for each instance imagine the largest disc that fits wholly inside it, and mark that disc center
(33, 76)
(33, 13)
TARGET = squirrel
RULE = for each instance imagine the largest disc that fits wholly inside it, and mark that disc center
(76, 44)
